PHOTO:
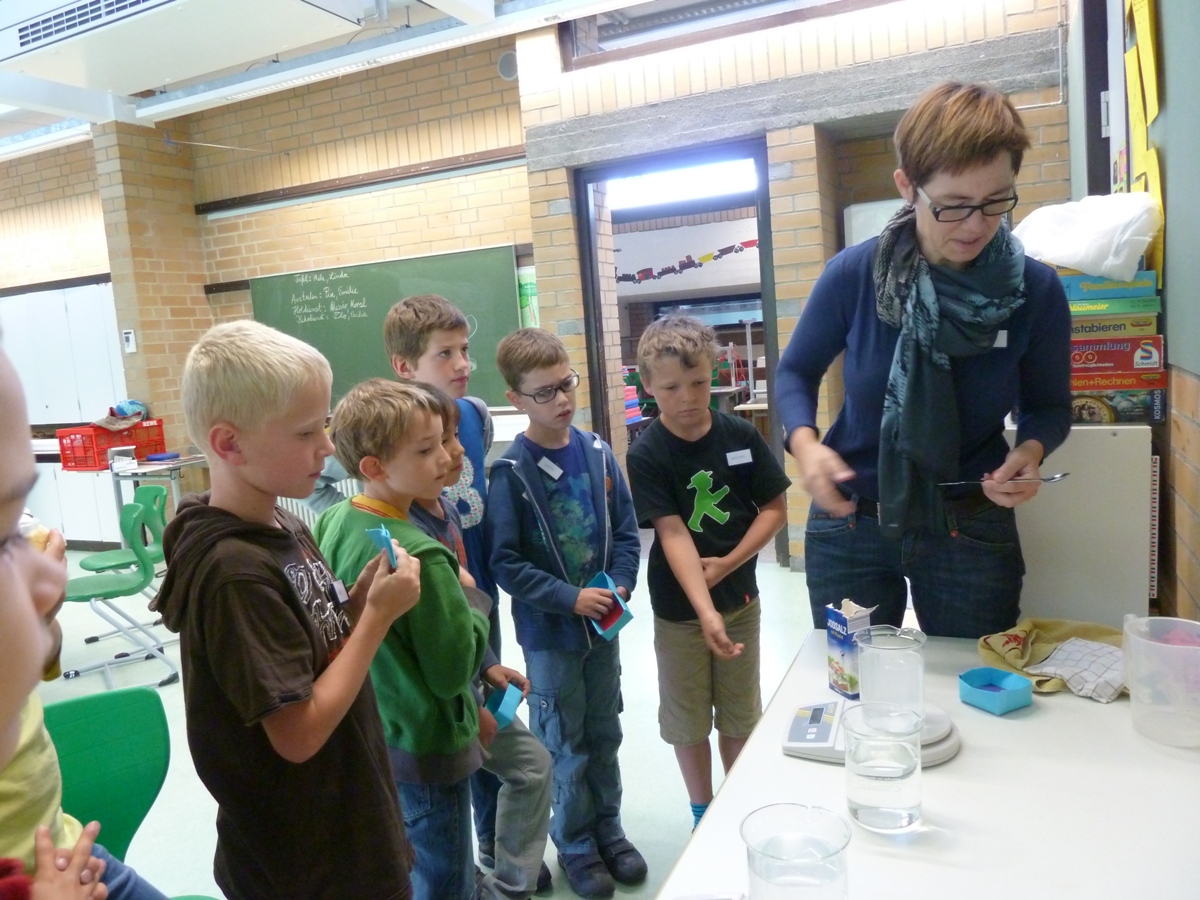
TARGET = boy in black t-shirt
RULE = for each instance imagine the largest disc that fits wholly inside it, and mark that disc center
(282, 721)
(714, 494)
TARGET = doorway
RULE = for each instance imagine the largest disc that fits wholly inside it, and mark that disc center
(688, 232)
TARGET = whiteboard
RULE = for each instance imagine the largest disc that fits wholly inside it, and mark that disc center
(1086, 540)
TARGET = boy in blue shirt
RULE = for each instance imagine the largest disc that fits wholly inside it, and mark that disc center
(559, 513)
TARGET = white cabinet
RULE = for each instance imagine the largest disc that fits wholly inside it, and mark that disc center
(65, 346)
(79, 504)
(43, 499)
(1086, 540)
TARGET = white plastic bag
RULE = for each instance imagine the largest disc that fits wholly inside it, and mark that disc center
(1102, 235)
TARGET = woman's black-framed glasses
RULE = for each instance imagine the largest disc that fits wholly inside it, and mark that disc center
(958, 213)
(545, 395)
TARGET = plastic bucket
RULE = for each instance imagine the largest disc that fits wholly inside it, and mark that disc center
(1162, 672)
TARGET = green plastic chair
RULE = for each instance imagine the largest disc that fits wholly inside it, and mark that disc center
(154, 498)
(98, 591)
(114, 750)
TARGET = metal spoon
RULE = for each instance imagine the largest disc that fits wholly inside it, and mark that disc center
(1049, 479)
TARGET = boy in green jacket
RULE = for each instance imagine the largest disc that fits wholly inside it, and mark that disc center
(391, 434)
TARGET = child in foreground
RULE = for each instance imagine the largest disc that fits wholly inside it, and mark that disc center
(282, 720)
(559, 514)
(709, 486)
(391, 434)
(31, 586)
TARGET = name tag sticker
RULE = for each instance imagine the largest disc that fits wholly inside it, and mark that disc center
(1001, 338)
(739, 457)
(550, 468)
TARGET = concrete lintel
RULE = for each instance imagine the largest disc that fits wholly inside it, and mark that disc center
(836, 98)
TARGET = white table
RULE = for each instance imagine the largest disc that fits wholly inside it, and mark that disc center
(1060, 800)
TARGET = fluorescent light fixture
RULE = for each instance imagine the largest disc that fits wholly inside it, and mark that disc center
(736, 176)
(69, 131)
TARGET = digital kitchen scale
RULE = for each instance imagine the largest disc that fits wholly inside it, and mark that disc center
(815, 732)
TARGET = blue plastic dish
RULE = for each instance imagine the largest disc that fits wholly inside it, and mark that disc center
(617, 617)
(503, 705)
(383, 540)
(995, 690)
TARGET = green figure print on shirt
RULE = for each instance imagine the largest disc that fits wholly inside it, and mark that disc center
(706, 501)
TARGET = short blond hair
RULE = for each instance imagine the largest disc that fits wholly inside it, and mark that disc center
(409, 323)
(245, 373)
(684, 337)
(375, 419)
(525, 350)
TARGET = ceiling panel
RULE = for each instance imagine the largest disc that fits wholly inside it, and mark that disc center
(180, 40)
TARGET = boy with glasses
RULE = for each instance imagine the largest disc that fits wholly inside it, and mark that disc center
(559, 513)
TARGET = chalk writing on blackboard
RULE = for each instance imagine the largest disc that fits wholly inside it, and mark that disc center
(321, 301)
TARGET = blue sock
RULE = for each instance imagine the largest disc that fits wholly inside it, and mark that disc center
(698, 810)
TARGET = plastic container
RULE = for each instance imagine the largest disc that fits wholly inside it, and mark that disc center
(1162, 672)
(616, 618)
(503, 705)
(85, 448)
(994, 690)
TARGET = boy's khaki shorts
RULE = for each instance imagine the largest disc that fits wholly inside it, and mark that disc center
(692, 683)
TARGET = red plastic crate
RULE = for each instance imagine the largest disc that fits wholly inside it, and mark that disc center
(85, 449)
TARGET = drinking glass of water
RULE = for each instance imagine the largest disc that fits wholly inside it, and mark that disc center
(883, 766)
(796, 851)
(891, 666)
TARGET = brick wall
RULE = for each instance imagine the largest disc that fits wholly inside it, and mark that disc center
(443, 105)
(146, 192)
(1179, 544)
(51, 225)
(456, 213)
(556, 254)
(883, 32)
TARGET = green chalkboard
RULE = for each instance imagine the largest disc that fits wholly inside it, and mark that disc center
(340, 311)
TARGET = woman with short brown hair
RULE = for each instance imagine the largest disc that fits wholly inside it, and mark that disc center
(946, 327)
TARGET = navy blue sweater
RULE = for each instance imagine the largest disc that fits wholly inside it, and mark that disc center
(527, 559)
(1029, 368)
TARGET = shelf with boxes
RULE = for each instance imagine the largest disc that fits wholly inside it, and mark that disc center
(1118, 364)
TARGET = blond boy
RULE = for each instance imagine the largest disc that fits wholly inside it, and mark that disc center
(282, 720)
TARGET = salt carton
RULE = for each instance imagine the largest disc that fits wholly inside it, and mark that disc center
(841, 625)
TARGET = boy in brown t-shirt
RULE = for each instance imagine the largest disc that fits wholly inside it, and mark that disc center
(282, 720)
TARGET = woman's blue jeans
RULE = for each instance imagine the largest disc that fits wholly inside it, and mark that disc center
(965, 583)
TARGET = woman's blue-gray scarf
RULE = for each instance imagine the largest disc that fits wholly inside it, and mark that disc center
(941, 313)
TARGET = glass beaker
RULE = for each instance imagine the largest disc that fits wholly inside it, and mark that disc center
(891, 666)
(796, 851)
(883, 766)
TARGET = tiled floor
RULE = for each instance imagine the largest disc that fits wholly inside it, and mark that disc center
(174, 847)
